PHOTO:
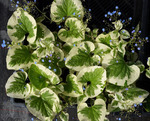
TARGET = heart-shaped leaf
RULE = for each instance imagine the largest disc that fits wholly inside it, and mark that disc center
(45, 105)
(72, 87)
(118, 25)
(96, 112)
(62, 9)
(80, 56)
(20, 24)
(124, 34)
(75, 33)
(16, 85)
(20, 57)
(118, 72)
(93, 78)
(41, 77)
(104, 39)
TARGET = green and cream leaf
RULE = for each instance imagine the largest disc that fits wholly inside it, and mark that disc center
(118, 25)
(72, 87)
(41, 77)
(93, 78)
(75, 32)
(124, 34)
(20, 57)
(79, 57)
(119, 72)
(96, 112)
(45, 105)
(20, 24)
(125, 99)
(62, 9)
(16, 85)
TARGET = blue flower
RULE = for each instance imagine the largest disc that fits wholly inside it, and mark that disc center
(139, 48)
(49, 67)
(139, 31)
(135, 105)
(79, 15)
(74, 13)
(83, 88)
(127, 89)
(130, 18)
(123, 31)
(32, 119)
(64, 59)
(49, 61)
(136, 44)
(114, 12)
(25, 9)
(110, 40)
(103, 29)
(89, 9)
(54, 70)
(133, 31)
(119, 119)
(3, 44)
(50, 55)
(119, 13)
(116, 61)
(108, 13)
(123, 21)
(132, 51)
(146, 38)
(59, 26)
(17, 2)
(35, 1)
(117, 7)
(140, 104)
(42, 60)
(105, 15)
(35, 62)
(16, 6)
(63, 18)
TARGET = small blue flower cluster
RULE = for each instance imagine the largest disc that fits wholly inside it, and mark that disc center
(3, 45)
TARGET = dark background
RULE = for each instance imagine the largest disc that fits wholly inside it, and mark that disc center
(139, 10)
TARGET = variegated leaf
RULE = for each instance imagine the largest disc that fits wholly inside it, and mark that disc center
(80, 56)
(16, 85)
(20, 24)
(93, 78)
(124, 34)
(20, 57)
(118, 72)
(62, 9)
(45, 105)
(75, 33)
(96, 112)
(72, 87)
(41, 77)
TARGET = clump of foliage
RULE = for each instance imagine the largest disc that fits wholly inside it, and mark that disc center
(74, 66)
